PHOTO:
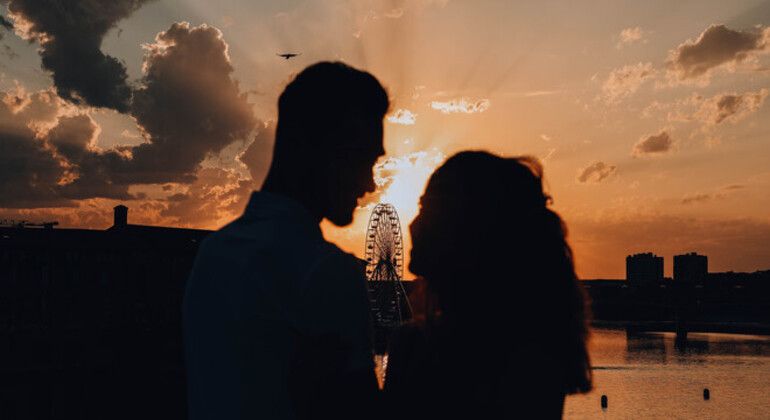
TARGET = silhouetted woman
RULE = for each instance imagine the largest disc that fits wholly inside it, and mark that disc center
(504, 331)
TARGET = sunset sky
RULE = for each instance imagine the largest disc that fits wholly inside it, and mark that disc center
(650, 116)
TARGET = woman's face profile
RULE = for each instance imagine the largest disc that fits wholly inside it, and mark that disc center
(426, 231)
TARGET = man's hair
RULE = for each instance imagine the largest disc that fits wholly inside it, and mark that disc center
(313, 103)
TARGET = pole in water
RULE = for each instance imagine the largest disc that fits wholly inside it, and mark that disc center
(604, 401)
(706, 394)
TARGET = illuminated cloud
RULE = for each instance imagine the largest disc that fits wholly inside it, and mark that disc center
(731, 107)
(595, 172)
(625, 81)
(188, 108)
(216, 197)
(653, 144)
(189, 104)
(629, 36)
(48, 157)
(29, 172)
(258, 156)
(394, 13)
(403, 117)
(70, 35)
(724, 107)
(717, 46)
(400, 180)
(461, 105)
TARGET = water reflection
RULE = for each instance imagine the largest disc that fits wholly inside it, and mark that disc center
(646, 375)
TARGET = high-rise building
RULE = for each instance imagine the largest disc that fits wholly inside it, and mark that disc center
(644, 269)
(690, 268)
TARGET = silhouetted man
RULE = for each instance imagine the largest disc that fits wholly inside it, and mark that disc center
(276, 319)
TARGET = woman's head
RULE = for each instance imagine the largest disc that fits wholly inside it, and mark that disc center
(495, 257)
(473, 197)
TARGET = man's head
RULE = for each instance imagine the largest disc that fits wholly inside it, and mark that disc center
(328, 137)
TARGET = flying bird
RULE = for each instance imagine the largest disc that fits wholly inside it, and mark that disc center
(288, 55)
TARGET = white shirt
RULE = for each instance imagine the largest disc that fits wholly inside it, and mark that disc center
(259, 287)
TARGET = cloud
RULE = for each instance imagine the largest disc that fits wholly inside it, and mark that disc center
(258, 156)
(187, 109)
(216, 197)
(403, 117)
(29, 172)
(5, 24)
(70, 35)
(724, 107)
(401, 180)
(49, 157)
(625, 81)
(731, 107)
(653, 144)
(629, 36)
(461, 105)
(697, 198)
(595, 172)
(394, 13)
(717, 46)
(719, 193)
(188, 105)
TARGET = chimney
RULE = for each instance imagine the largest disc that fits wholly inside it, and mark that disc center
(121, 216)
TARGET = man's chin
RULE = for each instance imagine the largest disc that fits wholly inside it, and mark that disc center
(341, 220)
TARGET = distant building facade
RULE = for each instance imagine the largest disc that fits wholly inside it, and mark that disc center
(690, 268)
(644, 269)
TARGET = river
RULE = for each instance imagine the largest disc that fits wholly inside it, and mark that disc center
(648, 377)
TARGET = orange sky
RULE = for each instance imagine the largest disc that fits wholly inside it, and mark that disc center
(650, 117)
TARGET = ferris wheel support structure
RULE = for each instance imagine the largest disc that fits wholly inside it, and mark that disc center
(385, 267)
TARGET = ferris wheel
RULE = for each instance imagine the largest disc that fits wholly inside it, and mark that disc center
(384, 245)
(385, 267)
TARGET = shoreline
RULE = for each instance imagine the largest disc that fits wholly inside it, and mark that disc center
(747, 328)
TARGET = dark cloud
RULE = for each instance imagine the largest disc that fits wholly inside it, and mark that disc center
(189, 106)
(717, 45)
(258, 156)
(188, 109)
(653, 144)
(718, 194)
(731, 107)
(70, 34)
(697, 198)
(5, 23)
(88, 168)
(48, 160)
(596, 172)
(29, 172)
